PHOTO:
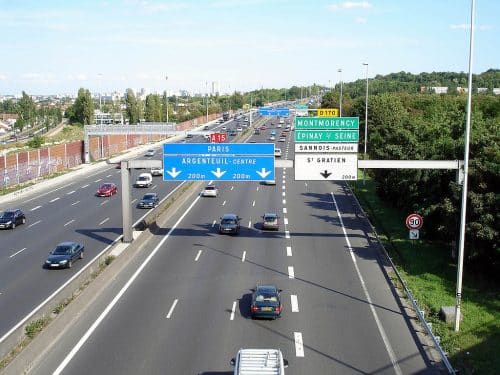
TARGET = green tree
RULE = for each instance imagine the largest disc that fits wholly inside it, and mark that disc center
(132, 107)
(26, 109)
(84, 107)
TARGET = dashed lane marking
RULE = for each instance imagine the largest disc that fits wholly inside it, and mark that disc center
(294, 302)
(233, 310)
(288, 251)
(291, 272)
(243, 257)
(35, 223)
(17, 252)
(198, 255)
(53, 200)
(171, 311)
(69, 222)
(102, 222)
(35, 208)
(299, 344)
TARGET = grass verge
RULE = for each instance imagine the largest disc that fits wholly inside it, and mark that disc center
(430, 273)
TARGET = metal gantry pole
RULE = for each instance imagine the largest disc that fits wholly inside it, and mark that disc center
(366, 120)
(340, 104)
(464, 189)
(166, 94)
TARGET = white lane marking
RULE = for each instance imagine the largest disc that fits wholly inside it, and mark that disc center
(53, 200)
(287, 234)
(122, 291)
(299, 344)
(35, 223)
(285, 220)
(257, 188)
(250, 224)
(172, 309)
(381, 330)
(284, 181)
(109, 175)
(75, 203)
(232, 187)
(233, 310)
(104, 202)
(198, 255)
(154, 187)
(69, 222)
(17, 252)
(35, 208)
(71, 192)
(102, 222)
(284, 210)
(134, 200)
(288, 251)
(284, 194)
(84, 186)
(284, 201)
(224, 203)
(99, 179)
(295, 303)
(291, 272)
(243, 257)
(213, 224)
(283, 187)
(305, 183)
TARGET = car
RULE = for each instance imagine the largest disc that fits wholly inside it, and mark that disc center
(263, 127)
(156, 171)
(144, 180)
(11, 218)
(233, 133)
(278, 126)
(64, 254)
(266, 302)
(239, 129)
(272, 138)
(150, 153)
(259, 361)
(229, 223)
(223, 128)
(149, 200)
(270, 182)
(277, 152)
(107, 190)
(206, 127)
(210, 191)
(189, 135)
(270, 221)
(256, 131)
(282, 139)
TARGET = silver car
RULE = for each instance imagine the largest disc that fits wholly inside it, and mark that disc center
(210, 191)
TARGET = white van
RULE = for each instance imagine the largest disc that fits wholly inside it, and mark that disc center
(144, 180)
(259, 361)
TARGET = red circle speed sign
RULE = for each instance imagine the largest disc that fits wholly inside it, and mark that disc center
(414, 221)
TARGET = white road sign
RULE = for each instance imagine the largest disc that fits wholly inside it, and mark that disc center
(325, 147)
(414, 234)
(326, 167)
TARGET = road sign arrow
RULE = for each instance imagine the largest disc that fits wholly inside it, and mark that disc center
(325, 174)
(263, 173)
(218, 173)
(174, 173)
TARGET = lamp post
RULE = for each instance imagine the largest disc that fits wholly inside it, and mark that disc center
(366, 119)
(206, 94)
(340, 105)
(100, 91)
(166, 94)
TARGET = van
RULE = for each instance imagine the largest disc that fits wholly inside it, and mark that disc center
(259, 361)
(144, 180)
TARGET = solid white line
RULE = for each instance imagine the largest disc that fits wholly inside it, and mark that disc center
(84, 186)
(99, 179)
(233, 310)
(71, 192)
(291, 272)
(299, 344)
(244, 256)
(171, 309)
(104, 202)
(75, 203)
(106, 311)
(35, 208)
(224, 203)
(35, 223)
(69, 222)
(17, 252)
(253, 204)
(285, 220)
(198, 255)
(284, 201)
(295, 303)
(55, 199)
(102, 222)
(213, 224)
(284, 210)
(288, 251)
(381, 330)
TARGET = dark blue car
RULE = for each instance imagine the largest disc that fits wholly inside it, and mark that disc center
(64, 255)
(149, 200)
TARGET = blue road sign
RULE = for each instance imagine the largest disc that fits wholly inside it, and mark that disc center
(218, 149)
(268, 111)
(222, 167)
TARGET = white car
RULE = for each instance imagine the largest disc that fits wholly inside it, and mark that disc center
(277, 152)
(239, 129)
(223, 128)
(156, 171)
(144, 180)
(272, 138)
(150, 153)
(210, 191)
(270, 182)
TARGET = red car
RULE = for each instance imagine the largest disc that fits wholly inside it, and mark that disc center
(107, 190)
(263, 127)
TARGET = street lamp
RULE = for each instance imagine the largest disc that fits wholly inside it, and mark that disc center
(206, 94)
(340, 105)
(100, 91)
(166, 94)
(366, 118)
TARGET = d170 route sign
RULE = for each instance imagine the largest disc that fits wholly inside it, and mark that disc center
(414, 221)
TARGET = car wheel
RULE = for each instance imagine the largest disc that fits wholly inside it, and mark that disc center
(70, 264)
(24, 220)
(81, 255)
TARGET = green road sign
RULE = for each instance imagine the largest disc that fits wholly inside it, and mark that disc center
(326, 136)
(301, 106)
(329, 123)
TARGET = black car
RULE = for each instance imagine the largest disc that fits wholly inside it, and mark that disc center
(266, 302)
(229, 223)
(11, 218)
(64, 255)
(149, 200)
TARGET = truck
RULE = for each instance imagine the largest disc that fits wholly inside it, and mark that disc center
(259, 361)
(226, 116)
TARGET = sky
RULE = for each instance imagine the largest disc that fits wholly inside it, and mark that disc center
(59, 46)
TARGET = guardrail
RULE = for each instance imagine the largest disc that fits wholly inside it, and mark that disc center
(418, 311)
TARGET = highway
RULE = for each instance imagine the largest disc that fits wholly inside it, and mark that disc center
(70, 212)
(182, 306)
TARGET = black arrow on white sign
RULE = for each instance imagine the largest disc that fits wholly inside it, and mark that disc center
(325, 174)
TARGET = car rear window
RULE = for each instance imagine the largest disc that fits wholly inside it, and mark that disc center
(210, 188)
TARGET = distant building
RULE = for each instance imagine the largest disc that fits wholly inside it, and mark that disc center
(440, 89)
(482, 89)
(8, 116)
(496, 91)
(101, 118)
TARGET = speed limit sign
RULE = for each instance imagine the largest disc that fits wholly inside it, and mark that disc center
(414, 221)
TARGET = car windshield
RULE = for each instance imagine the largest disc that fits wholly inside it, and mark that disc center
(210, 188)
(142, 178)
(270, 218)
(148, 196)
(107, 186)
(62, 250)
(228, 221)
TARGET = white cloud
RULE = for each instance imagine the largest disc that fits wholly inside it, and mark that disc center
(350, 5)
(361, 20)
(234, 3)
(154, 7)
(3, 77)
